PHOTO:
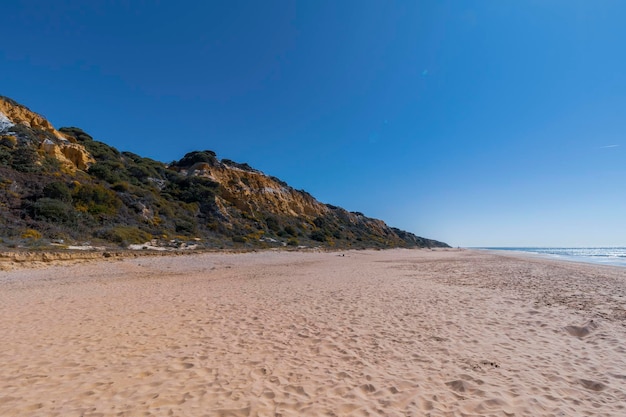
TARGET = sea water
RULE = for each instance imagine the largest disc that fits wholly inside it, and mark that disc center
(606, 256)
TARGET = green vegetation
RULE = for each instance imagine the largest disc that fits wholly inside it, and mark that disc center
(58, 190)
(124, 199)
(96, 199)
(240, 239)
(290, 230)
(26, 134)
(31, 234)
(108, 171)
(8, 141)
(24, 159)
(126, 235)
(192, 158)
(77, 133)
(53, 210)
(319, 236)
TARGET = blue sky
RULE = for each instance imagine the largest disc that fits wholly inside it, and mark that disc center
(479, 123)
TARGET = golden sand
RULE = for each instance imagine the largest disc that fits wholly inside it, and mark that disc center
(389, 333)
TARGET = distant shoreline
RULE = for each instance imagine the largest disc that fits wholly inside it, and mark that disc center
(608, 256)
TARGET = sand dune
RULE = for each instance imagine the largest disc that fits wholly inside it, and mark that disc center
(393, 333)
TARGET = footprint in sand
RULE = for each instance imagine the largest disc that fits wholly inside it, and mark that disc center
(367, 388)
(181, 366)
(592, 385)
(582, 331)
(459, 385)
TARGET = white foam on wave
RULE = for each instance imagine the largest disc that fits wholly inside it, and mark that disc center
(597, 255)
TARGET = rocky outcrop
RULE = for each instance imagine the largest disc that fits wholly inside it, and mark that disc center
(252, 191)
(18, 114)
(70, 154)
(52, 142)
(77, 155)
(5, 123)
(255, 192)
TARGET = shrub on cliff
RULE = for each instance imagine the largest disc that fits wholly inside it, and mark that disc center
(31, 234)
(6, 156)
(79, 134)
(289, 229)
(53, 210)
(125, 235)
(185, 226)
(143, 168)
(272, 224)
(58, 190)
(101, 151)
(318, 236)
(8, 141)
(194, 157)
(193, 190)
(24, 159)
(26, 134)
(108, 171)
(96, 199)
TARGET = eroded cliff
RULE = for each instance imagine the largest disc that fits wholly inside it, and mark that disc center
(63, 186)
(19, 126)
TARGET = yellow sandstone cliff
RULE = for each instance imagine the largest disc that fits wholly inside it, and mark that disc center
(64, 148)
(253, 191)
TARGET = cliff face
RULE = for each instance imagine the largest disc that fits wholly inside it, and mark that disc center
(20, 126)
(18, 114)
(252, 191)
(61, 185)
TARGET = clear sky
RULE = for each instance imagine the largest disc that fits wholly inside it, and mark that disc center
(479, 123)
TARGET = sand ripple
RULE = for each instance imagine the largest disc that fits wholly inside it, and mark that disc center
(393, 333)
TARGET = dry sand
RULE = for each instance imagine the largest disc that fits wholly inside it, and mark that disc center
(390, 333)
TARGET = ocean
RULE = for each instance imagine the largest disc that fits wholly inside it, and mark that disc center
(605, 256)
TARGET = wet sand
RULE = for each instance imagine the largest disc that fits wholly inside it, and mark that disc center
(390, 333)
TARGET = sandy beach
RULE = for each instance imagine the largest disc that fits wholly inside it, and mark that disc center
(359, 333)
